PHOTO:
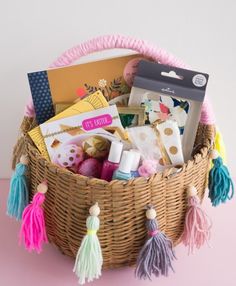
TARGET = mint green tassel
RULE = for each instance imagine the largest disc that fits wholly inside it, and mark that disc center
(221, 187)
(88, 263)
(18, 197)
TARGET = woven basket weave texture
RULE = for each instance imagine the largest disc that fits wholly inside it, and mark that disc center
(122, 229)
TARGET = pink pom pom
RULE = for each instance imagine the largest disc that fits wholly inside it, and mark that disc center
(69, 156)
(148, 168)
(90, 168)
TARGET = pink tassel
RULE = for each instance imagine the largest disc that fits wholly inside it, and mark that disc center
(197, 223)
(33, 230)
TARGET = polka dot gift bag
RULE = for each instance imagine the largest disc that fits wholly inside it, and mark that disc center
(122, 235)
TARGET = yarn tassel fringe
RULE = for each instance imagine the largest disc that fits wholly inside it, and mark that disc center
(197, 224)
(155, 257)
(89, 260)
(220, 145)
(18, 197)
(33, 230)
(221, 186)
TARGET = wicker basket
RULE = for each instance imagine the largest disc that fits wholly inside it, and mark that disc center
(122, 229)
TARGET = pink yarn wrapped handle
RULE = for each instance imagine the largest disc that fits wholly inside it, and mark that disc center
(123, 42)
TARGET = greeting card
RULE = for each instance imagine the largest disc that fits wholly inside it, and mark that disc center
(60, 131)
(89, 103)
(112, 77)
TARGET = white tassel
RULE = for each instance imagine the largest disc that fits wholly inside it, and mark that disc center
(88, 263)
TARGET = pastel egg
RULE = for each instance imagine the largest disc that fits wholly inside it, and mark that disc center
(69, 156)
(91, 168)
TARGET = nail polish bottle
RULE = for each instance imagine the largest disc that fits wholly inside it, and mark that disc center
(123, 171)
(136, 162)
(112, 163)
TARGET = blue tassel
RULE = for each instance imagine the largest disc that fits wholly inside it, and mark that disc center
(221, 187)
(18, 197)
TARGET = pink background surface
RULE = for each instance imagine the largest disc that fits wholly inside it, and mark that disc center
(215, 265)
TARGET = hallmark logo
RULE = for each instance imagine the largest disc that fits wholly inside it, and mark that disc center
(168, 90)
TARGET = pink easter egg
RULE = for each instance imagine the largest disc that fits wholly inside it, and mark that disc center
(91, 168)
(69, 156)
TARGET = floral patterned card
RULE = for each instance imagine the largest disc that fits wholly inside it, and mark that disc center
(113, 77)
(162, 107)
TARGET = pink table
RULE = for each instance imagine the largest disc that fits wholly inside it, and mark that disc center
(209, 266)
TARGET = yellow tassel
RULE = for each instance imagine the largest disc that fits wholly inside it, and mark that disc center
(220, 146)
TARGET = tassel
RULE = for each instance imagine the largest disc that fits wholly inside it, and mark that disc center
(197, 224)
(18, 197)
(219, 145)
(157, 253)
(221, 187)
(89, 259)
(33, 230)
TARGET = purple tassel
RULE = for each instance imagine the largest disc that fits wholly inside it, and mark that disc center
(157, 253)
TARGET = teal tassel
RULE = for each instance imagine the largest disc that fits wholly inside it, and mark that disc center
(221, 187)
(88, 264)
(18, 197)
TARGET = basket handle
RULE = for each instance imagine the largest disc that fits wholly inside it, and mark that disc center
(123, 42)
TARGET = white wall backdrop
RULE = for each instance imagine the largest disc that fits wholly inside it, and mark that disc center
(33, 33)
